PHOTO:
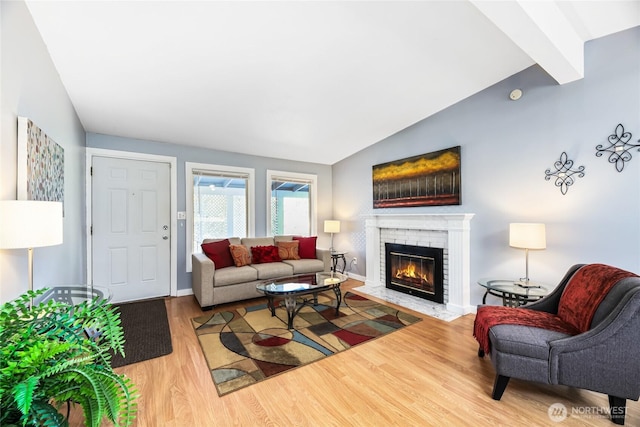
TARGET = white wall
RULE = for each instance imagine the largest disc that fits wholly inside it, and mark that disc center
(506, 148)
(30, 87)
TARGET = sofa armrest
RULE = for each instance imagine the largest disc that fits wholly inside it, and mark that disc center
(202, 273)
(324, 255)
(609, 348)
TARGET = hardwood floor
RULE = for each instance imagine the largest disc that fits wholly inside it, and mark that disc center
(427, 374)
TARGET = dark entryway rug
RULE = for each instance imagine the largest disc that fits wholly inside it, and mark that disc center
(146, 332)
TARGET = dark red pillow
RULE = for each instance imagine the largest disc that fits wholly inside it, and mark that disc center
(263, 254)
(219, 253)
(307, 247)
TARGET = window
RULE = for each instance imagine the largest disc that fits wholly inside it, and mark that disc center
(292, 203)
(219, 204)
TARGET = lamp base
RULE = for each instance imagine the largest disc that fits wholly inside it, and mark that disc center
(526, 284)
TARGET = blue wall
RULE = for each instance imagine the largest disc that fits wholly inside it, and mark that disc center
(199, 155)
(506, 148)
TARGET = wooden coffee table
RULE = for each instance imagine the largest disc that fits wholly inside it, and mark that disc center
(293, 288)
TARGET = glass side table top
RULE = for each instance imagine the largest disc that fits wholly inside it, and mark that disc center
(514, 287)
(302, 283)
(74, 294)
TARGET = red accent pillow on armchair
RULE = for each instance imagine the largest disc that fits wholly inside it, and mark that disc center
(219, 253)
(263, 254)
(307, 247)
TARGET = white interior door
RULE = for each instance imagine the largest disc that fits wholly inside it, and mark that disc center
(131, 216)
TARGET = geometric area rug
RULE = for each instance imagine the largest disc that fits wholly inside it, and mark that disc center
(247, 345)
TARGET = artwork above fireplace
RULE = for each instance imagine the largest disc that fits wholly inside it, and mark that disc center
(415, 270)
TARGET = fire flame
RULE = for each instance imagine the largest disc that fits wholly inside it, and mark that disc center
(410, 272)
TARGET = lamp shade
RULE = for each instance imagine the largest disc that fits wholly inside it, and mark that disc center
(30, 224)
(527, 235)
(331, 226)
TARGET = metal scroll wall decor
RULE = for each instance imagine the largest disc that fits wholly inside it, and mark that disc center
(619, 147)
(563, 173)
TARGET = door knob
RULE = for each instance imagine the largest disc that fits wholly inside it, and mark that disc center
(165, 237)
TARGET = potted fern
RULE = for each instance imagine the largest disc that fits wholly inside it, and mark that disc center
(49, 361)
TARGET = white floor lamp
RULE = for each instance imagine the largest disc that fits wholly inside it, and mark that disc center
(30, 224)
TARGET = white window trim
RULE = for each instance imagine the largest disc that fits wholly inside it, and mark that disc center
(313, 199)
(189, 167)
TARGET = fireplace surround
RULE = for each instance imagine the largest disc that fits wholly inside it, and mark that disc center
(451, 232)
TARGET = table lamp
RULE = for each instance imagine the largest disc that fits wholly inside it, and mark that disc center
(331, 226)
(527, 236)
(30, 224)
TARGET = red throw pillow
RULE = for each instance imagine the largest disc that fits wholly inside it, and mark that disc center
(263, 254)
(307, 247)
(219, 253)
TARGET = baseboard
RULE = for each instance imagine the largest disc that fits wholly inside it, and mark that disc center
(356, 277)
(184, 292)
(461, 309)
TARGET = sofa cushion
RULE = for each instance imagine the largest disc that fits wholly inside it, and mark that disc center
(489, 316)
(232, 240)
(524, 341)
(233, 275)
(273, 270)
(264, 254)
(219, 253)
(288, 250)
(304, 266)
(258, 241)
(307, 247)
(240, 255)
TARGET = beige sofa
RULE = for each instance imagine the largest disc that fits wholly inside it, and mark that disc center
(213, 286)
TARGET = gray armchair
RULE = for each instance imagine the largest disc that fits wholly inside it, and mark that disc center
(605, 358)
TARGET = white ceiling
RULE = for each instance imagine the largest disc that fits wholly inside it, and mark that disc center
(302, 80)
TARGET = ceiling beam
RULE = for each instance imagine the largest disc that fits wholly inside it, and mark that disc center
(543, 32)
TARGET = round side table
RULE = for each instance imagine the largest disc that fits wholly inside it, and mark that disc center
(514, 293)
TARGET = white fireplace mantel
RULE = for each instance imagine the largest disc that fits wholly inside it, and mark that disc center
(458, 230)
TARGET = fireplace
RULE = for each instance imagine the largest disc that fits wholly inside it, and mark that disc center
(415, 270)
(449, 231)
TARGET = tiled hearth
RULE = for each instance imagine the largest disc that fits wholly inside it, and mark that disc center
(420, 305)
(450, 232)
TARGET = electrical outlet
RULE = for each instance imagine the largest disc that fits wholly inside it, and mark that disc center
(355, 261)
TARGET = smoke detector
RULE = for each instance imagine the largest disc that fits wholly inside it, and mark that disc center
(515, 94)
